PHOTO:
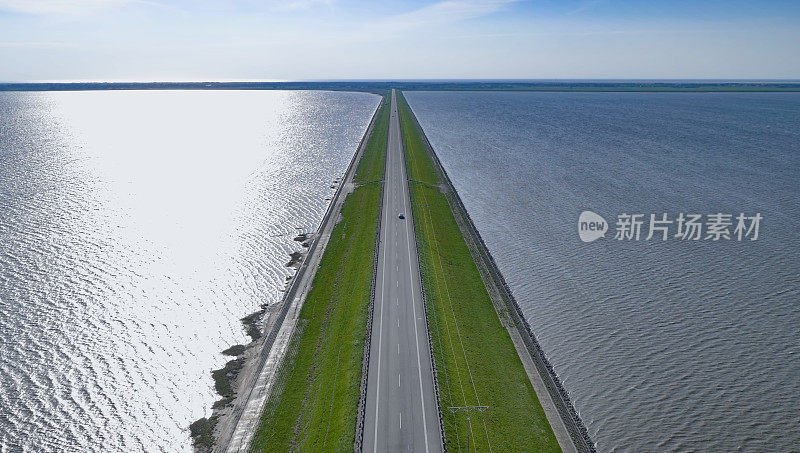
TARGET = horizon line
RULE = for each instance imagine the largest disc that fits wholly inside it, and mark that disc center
(402, 80)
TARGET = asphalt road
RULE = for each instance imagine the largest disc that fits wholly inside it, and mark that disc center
(401, 412)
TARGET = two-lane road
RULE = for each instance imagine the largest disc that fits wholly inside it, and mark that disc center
(401, 412)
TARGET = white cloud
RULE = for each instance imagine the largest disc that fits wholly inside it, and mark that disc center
(448, 11)
(58, 6)
(291, 5)
(33, 45)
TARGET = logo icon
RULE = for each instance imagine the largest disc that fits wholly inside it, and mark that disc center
(591, 226)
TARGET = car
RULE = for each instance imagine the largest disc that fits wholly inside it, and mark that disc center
(401, 216)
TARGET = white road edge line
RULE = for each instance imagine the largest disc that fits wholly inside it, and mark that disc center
(380, 327)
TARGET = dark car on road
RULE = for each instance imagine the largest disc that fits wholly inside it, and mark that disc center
(401, 216)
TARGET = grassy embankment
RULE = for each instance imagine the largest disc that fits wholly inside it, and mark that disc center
(313, 406)
(476, 361)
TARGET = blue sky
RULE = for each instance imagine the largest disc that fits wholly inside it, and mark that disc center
(123, 40)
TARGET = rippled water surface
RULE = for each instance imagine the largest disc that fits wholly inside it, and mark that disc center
(663, 346)
(136, 229)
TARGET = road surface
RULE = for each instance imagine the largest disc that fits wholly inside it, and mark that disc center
(401, 412)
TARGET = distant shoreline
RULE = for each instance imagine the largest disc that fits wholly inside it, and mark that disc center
(381, 86)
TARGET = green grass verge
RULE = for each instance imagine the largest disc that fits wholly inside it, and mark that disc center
(371, 166)
(476, 361)
(315, 409)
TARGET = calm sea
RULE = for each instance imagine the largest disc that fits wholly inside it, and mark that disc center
(136, 229)
(663, 345)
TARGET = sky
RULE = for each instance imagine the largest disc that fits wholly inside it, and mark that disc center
(225, 40)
